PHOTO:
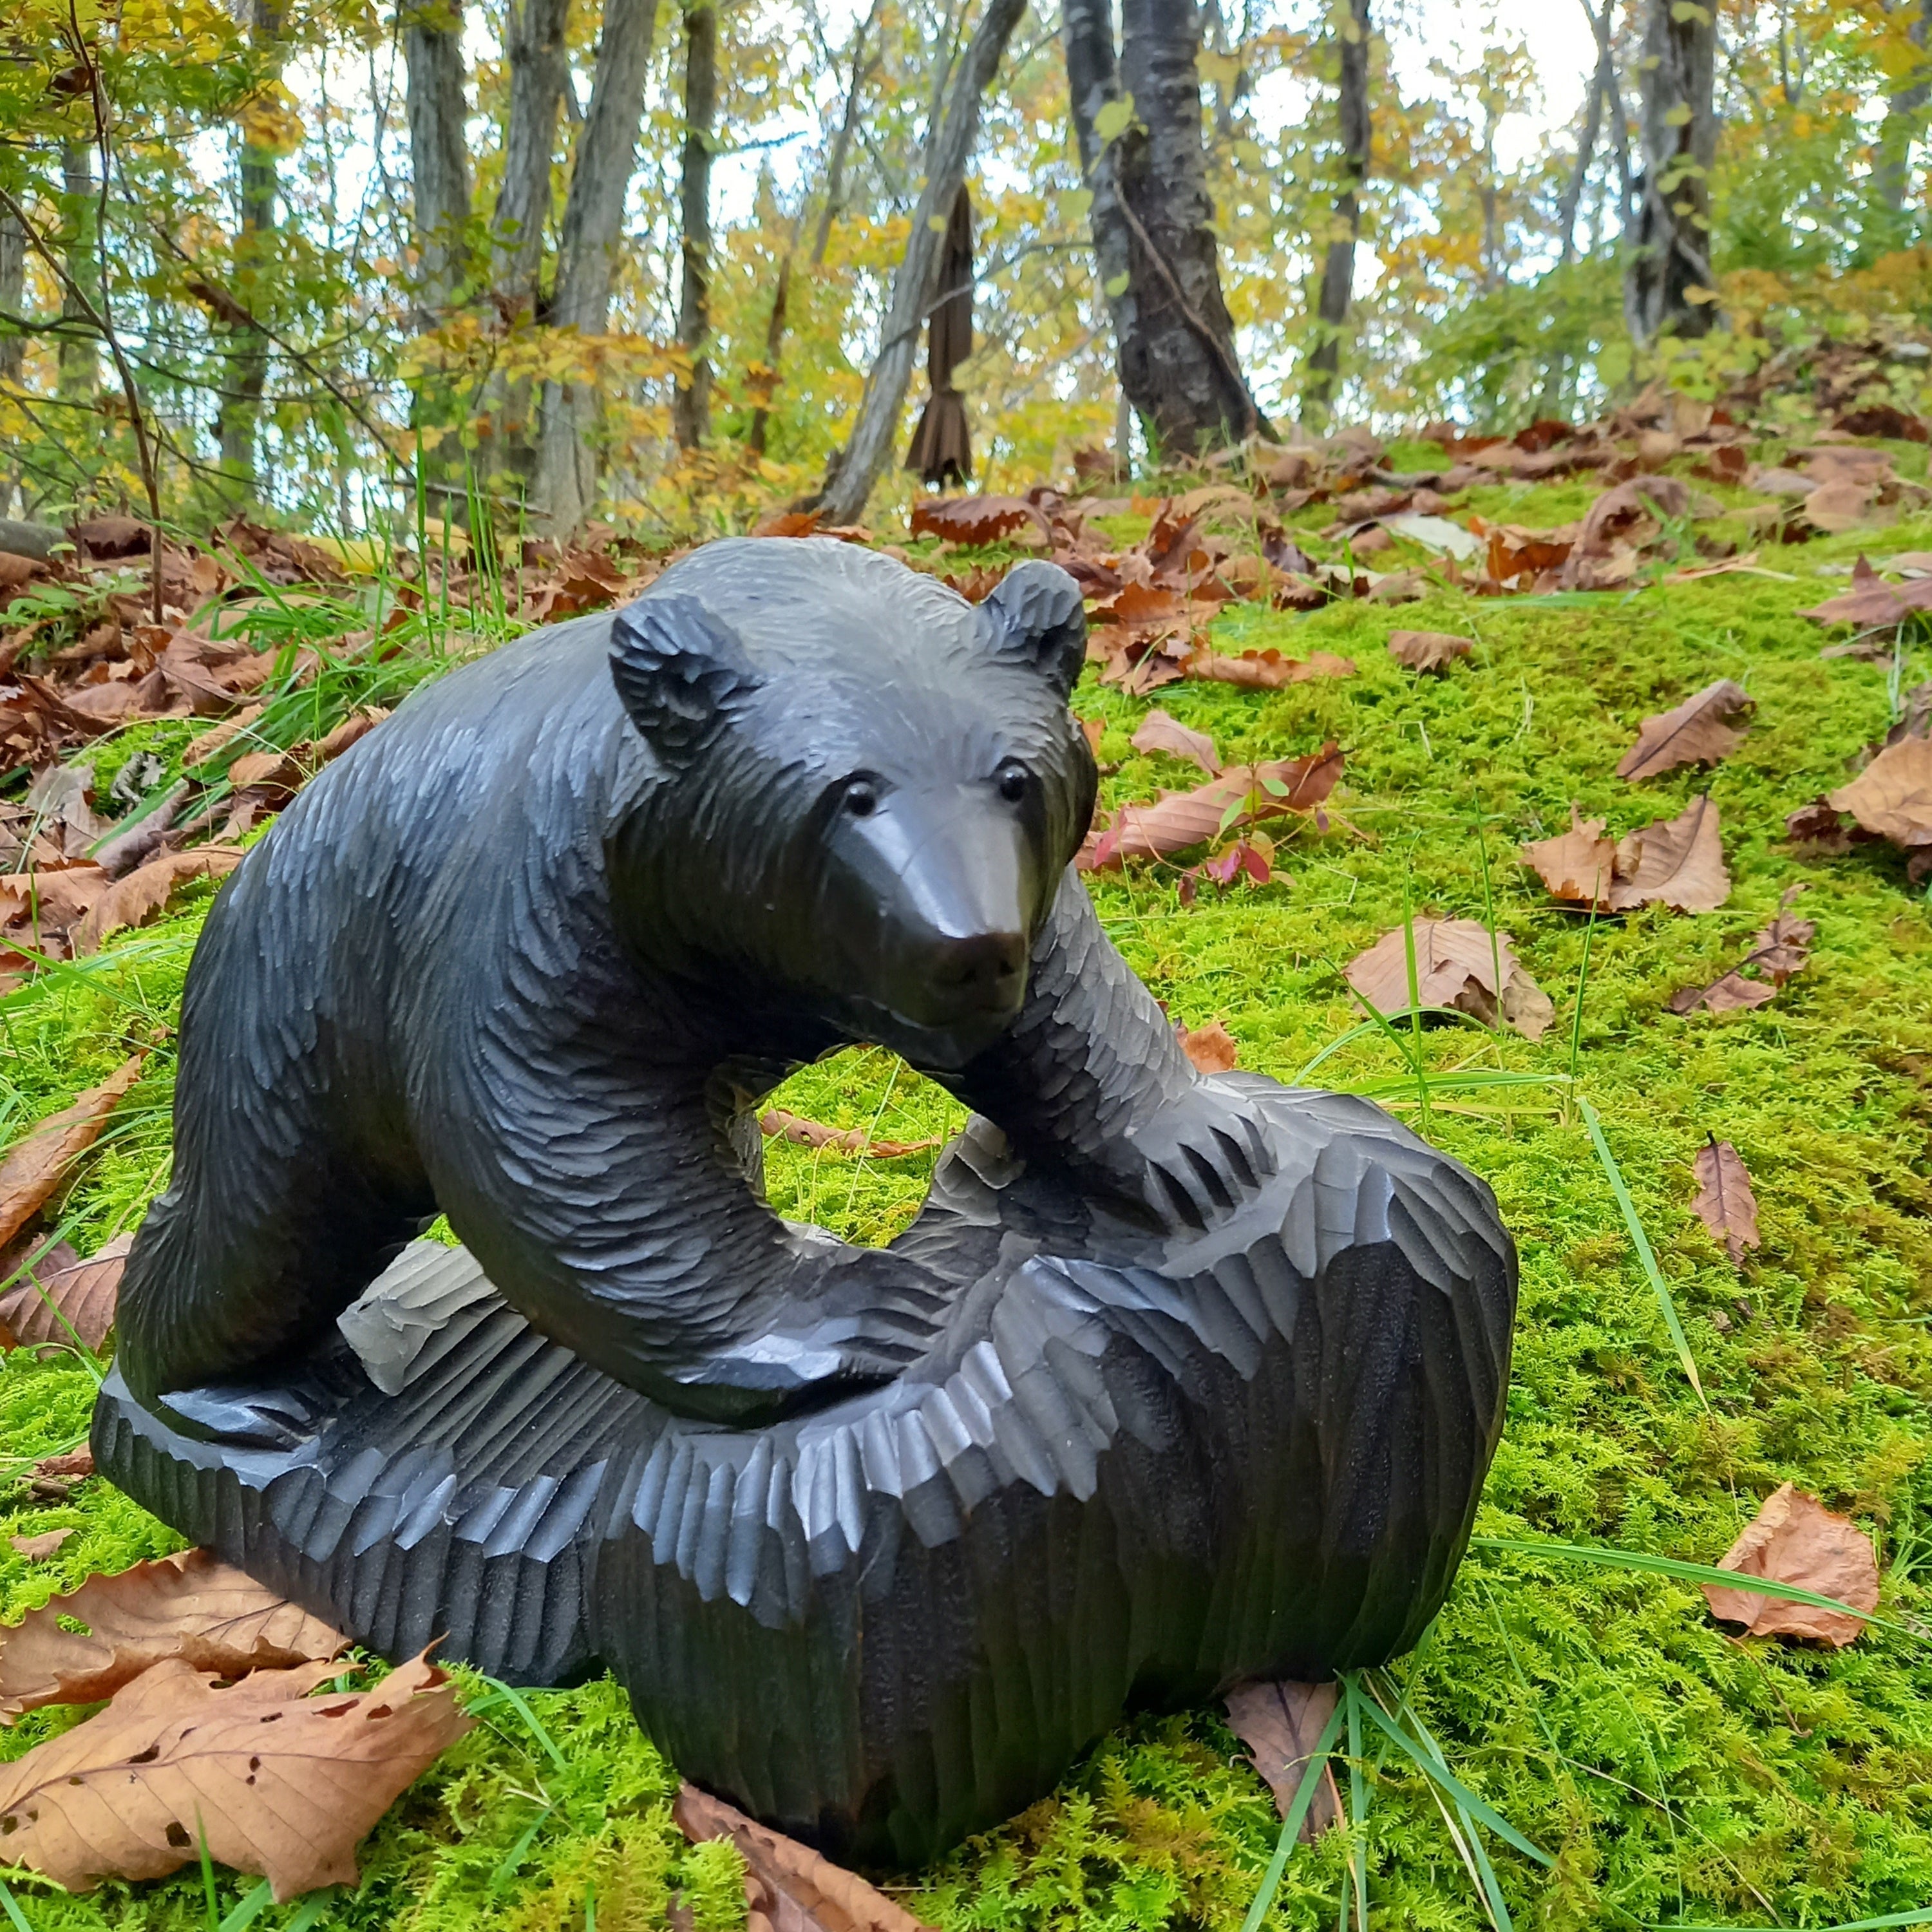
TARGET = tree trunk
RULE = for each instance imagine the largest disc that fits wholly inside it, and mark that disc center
(1667, 281)
(565, 485)
(1586, 153)
(238, 417)
(80, 378)
(691, 408)
(850, 477)
(1338, 265)
(13, 294)
(439, 149)
(1150, 219)
(539, 69)
(1904, 115)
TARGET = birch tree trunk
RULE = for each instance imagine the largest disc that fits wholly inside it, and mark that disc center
(1338, 265)
(565, 484)
(850, 477)
(1151, 220)
(691, 408)
(438, 152)
(1667, 281)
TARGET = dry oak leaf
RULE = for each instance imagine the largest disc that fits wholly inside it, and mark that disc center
(1580, 866)
(38, 1549)
(1794, 1539)
(146, 890)
(1699, 731)
(1281, 1723)
(38, 1161)
(1160, 733)
(192, 1607)
(1893, 795)
(1182, 819)
(64, 1298)
(793, 1887)
(1779, 951)
(1428, 650)
(1212, 1049)
(1457, 965)
(270, 1779)
(1725, 1203)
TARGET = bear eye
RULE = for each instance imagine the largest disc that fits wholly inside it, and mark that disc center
(861, 797)
(1014, 778)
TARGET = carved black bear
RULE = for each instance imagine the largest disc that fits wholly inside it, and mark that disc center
(1174, 1381)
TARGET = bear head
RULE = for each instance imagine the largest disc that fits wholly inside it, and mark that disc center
(862, 792)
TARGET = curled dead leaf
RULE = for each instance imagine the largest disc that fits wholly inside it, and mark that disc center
(266, 1777)
(1675, 861)
(1459, 965)
(145, 891)
(1780, 950)
(1699, 731)
(1893, 795)
(1428, 650)
(1794, 1539)
(775, 1124)
(1212, 1049)
(38, 1549)
(1267, 671)
(1725, 1203)
(1184, 819)
(38, 1161)
(1159, 732)
(1281, 1723)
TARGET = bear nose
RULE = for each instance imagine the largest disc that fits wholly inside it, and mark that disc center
(985, 964)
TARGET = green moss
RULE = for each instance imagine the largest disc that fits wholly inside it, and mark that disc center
(1671, 1771)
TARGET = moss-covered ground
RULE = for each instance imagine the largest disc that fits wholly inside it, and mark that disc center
(1674, 1774)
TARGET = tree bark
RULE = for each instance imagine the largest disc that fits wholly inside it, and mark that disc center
(1904, 116)
(1151, 220)
(691, 407)
(79, 380)
(13, 294)
(565, 485)
(439, 151)
(1338, 265)
(1669, 258)
(238, 417)
(849, 478)
(1586, 154)
(539, 69)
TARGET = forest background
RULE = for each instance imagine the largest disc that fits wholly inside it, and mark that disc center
(332, 252)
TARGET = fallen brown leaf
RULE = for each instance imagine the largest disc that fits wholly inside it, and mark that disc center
(1794, 1539)
(38, 1549)
(357, 725)
(1578, 866)
(145, 891)
(266, 1777)
(1675, 861)
(201, 749)
(38, 1161)
(73, 1298)
(1725, 1203)
(1456, 966)
(1871, 602)
(775, 1124)
(1893, 795)
(1427, 650)
(1281, 1723)
(802, 1891)
(1182, 819)
(1779, 951)
(1159, 732)
(973, 520)
(1699, 731)
(1212, 1048)
(192, 1607)
(1266, 670)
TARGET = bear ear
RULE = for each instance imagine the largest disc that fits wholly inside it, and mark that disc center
(1036, 614)
(678, 669)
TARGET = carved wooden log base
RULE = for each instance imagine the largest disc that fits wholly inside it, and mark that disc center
(1135, 1469)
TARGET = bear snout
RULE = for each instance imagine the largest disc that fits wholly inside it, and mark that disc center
(984, 969)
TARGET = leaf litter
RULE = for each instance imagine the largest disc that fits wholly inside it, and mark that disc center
(1793, 1539)
(1725, 1203)
(1678, 862)
(1459, 965)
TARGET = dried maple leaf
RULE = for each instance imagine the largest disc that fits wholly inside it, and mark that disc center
(265, 1776)
(1794, 1539)
(1457, 966)
(973, 519)
(1212, 1048)
(1281, 1723)
(1159, 732)
(192, 1607)
(145, 891)
(38, 1161)
(1725, 1203)
(1427, 650)
(1699, 731)
(38, 1549)
(65, 1298)
(1871, 602)
(800, 1890)
(1779, 951)
(1893, 795)
(1182, 819)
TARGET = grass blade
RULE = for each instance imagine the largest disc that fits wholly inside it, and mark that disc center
(507, 1694)
(251, 1909)
(1430, 1764)
(1609, 1558)
(1641, 1242)
(1920, 1915)
(10, 1906)
(1291, 1825)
